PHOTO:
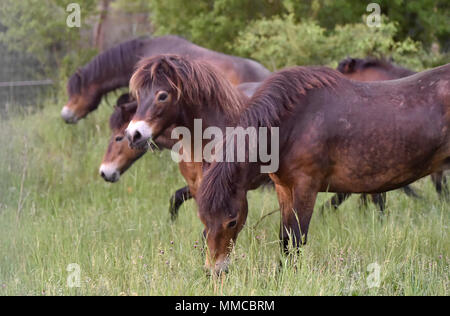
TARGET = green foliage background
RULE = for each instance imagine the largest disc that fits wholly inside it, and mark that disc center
(279, 33)
(275, 32)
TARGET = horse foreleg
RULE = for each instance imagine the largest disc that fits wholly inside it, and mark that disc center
(297, 205)
(177, 200)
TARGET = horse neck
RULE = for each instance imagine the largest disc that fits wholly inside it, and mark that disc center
(115, 81)
(115, 77)
(211, 116)
(243, 176)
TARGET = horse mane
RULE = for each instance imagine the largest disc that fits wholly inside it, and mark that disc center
(278, 96)
(196, 82)
(118, 59)
(123, 112)
(350, 65)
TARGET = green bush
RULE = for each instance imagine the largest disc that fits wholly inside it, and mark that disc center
(216, 23)
(281, 41)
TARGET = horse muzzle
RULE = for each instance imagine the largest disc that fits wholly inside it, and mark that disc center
(138, 134)
(69, 116)
(220, 266)
(109, 173)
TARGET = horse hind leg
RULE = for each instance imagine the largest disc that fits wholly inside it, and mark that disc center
(380, 201)
(409, 191)
(177, 200)
(440, 183)
(446, 189)
(363, 200)
(335, 201)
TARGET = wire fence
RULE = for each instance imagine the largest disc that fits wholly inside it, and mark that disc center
(23, 82)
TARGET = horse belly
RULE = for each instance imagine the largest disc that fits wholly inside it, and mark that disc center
(384, 159)
(345, 183)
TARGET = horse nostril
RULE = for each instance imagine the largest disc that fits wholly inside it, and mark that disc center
(103, 175)
(137, 135)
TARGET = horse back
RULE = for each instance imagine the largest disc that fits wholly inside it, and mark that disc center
(236, 69)
(371, 137)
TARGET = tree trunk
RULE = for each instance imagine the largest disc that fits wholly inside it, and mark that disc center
(99, 36)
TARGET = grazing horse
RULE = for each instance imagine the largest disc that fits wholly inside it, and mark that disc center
(113, 69)
(373, 69)
(174, 91)
(120, 156)
(335, 135)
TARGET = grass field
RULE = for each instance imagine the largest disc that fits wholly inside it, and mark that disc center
(55, 210)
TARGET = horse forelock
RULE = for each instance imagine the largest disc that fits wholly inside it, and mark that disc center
(197, 83)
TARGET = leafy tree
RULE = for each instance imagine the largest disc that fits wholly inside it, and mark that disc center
(425, 20)
(213, 24)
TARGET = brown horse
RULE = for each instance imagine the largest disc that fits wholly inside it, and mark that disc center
(374, 69)
(335, 135)
(113, 69)
(120, 156)
(174, 91)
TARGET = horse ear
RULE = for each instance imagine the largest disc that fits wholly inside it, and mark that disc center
(347, 65)
(123, 99)
(130, 107)
(128, 111)
(350, 67)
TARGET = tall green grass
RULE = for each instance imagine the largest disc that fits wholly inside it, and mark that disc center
(55, 210)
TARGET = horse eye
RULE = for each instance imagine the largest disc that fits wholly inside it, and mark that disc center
(162, 96)
(119, 138)
(232, 224)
